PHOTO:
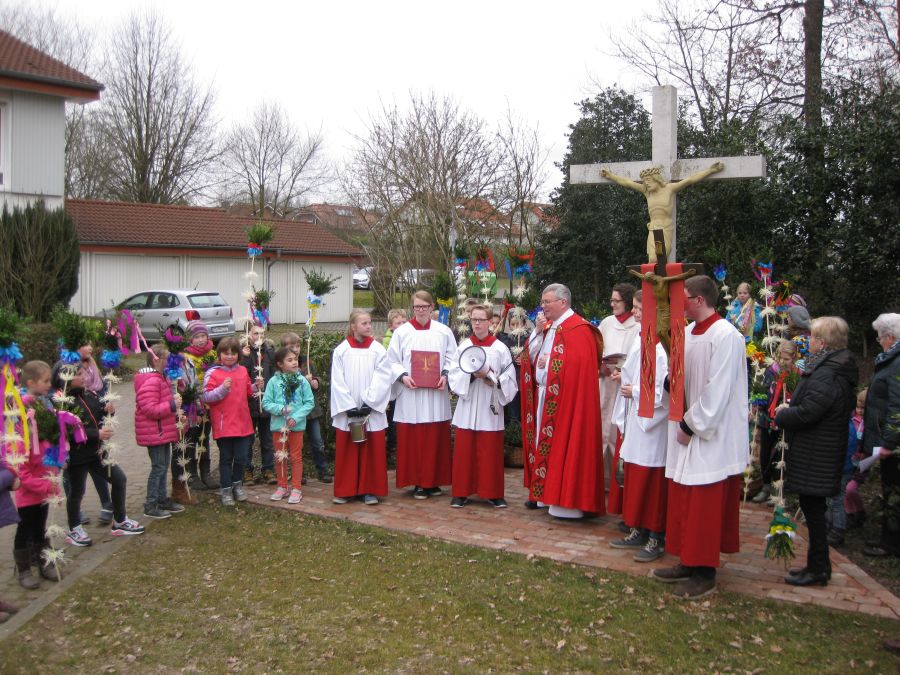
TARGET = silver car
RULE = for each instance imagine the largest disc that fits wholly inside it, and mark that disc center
(164, 308)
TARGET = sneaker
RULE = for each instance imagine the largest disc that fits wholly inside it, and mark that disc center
(240, 494)
(303, 480)
(420, 493)
(763, 495)
(171, 505)
(248, 477)
(370, 500)
(671, 575)
(105, 517)
(325, 477)
(295, 497)
(653, 550)
(126, 527)
(836, 537)
(458, 502)
(78, 537)
(279, 494)
(269, 478)
(434, 491)
(156, 512)
(622, 527)
(341, 500)
(695, 588)
(635, 539)
(227, 498)
(498, 503)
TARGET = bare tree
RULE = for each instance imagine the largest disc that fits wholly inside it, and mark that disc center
(420, 168)
(737, 59)
(521, 177)
(268, 162)
(158, 119)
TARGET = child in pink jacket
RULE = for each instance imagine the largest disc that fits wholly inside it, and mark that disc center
(34, 489)
(226, 389)
(155, 415)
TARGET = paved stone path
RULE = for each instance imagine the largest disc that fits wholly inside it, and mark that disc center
(514, 529)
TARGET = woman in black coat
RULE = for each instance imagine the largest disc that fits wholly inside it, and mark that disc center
(881, 429)
(815, 427)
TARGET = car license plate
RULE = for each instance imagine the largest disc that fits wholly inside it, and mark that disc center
(219, 329)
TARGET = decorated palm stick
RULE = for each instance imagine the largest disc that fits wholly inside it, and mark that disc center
(319, 285)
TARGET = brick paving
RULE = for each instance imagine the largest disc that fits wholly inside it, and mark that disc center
(514, 529)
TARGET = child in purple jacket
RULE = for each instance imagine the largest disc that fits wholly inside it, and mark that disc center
(8, 516)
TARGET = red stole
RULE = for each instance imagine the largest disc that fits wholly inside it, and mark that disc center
(676, 344)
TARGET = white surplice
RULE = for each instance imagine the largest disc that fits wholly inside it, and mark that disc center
(415, 406)
(618, 338)
(473, 409)
(715, 400)
(644, 439)
(353, 384)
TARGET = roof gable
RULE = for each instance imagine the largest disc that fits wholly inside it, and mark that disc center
(24, 67)
(165, 225)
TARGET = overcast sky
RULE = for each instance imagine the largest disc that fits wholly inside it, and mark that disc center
(330, 63)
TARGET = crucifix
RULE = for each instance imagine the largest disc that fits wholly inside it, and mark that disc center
(662, 177)
(662, 278)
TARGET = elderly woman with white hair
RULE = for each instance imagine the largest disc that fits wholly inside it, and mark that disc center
(881, 431)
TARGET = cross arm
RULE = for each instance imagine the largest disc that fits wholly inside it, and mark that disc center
(752, 166)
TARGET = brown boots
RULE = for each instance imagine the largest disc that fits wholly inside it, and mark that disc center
(181, 495)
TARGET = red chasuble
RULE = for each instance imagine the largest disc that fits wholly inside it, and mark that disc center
(563, 459)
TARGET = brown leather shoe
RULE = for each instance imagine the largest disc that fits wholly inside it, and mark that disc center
(695, 588)
(672, 575)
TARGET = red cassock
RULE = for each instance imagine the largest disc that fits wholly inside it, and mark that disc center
(423, 454)
(360, 468)
(644, 497)
(564, 458)
(703, 521)
(478, 464)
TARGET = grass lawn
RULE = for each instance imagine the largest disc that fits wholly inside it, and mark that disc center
(266, 590)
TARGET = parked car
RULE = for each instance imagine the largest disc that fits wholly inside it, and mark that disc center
(414, 278)
(362, 278)
(165, 308)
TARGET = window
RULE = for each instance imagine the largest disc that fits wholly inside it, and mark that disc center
(135, 302)
(164, 301)
(202, 300)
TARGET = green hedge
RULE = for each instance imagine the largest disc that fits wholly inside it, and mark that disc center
(39, 343)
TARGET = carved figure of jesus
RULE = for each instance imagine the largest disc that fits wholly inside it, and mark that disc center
(660, 198)
(661, 293)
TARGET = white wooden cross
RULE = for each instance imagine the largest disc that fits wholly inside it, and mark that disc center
(665, 156)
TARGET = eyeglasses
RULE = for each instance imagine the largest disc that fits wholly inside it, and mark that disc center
(691, 297)
(421, 306)
(547, 302)
(474, 320)
(616, 300)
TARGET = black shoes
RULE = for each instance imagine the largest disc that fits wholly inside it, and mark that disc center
(807, 579)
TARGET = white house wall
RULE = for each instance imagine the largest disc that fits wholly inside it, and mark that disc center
(105, 277)
(37, 146)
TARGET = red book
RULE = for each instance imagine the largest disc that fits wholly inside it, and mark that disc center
(425, 368)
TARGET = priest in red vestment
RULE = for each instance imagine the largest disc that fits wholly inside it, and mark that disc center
(708, 449)
(562, 432)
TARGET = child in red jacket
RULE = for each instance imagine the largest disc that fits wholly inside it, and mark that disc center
(226, 389)
(36, 486)
(155, 410)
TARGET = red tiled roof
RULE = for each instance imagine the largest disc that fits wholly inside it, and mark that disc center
(147, 225)
(20, 60)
